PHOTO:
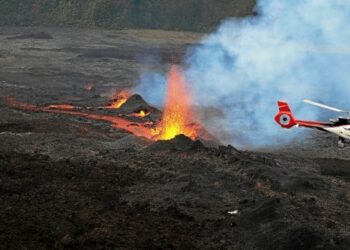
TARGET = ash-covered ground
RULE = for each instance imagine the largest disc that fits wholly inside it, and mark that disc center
(74, 183)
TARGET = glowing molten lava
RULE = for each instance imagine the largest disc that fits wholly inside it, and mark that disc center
(61, 106)
(120, 98)
(142, 113)
(177, 114)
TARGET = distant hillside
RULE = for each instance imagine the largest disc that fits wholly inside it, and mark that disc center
(192, 15)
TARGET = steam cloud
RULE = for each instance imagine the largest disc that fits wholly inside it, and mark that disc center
(293, 49)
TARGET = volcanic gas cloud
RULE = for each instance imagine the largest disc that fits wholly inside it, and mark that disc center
(178, 116)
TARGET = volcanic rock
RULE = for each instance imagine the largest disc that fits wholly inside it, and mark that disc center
(39, 35)
(128, 142)
(229, 149)
(164, 55)
(67, 240)
(179, 143)
(335, 167)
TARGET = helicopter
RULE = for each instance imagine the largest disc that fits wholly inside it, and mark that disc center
(339, 126)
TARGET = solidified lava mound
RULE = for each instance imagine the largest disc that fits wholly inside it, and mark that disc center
(136, 103)
(180, 143)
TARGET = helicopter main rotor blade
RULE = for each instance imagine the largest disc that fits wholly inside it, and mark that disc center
(325, 106)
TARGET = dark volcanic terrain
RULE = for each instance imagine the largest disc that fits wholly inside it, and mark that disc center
(194, 15)
(67, 182)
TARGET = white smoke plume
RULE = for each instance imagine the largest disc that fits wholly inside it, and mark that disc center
(293, 49)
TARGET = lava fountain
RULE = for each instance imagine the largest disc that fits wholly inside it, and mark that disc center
(177, 116)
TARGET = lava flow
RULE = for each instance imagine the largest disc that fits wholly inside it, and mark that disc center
(177, 117)
(119, 99)
(61, 106)
(143, 129)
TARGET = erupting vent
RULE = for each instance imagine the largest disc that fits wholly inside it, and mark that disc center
(177, 112)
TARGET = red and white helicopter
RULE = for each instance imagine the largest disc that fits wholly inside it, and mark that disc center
(339, 126)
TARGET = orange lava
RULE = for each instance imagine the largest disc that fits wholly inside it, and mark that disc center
(61, 106)
(178, 114)
(142, 113)
(119, 99)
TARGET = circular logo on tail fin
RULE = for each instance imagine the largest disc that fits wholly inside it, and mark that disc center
(285, 119)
